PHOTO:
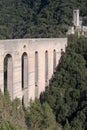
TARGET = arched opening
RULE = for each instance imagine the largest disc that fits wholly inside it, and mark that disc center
(46, 67)
(54, 60)
(36, 74)
(8, 74)
(24, 70)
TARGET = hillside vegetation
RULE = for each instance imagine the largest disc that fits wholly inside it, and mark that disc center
(67, 93)
(63, 106)
(38, 18)
(12, 116)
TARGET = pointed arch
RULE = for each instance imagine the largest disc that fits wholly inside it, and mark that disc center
(46, 67)
(54, 60)
(36, 74)
(24, 70)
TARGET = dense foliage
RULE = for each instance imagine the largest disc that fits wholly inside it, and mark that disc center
(64, 103)
(63, 106)
(67, 94)
(11, 114)
(36, 117)
(38, 18)
(40, 117)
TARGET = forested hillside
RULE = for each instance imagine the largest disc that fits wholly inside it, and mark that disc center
(67, 94)
(63, 106)
(12, 116)
(38, 18)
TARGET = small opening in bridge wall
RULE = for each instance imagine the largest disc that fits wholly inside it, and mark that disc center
(24, 70)
(46, 67)
(8, 74)
(24, 46)
(36, 74)
(54, 60)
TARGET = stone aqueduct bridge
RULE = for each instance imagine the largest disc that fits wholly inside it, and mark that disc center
(26, 65)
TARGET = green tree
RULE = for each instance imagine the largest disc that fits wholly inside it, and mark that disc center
(41, 117)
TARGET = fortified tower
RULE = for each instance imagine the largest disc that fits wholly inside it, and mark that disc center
(76, 17)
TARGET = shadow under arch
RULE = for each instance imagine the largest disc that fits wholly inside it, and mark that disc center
(24, 72)
(46, 68)
(8, 74)
(36, 74)
(24, 78)
(54, 61)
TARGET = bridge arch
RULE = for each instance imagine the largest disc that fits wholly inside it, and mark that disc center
(46, 68)
(19, 69)
(36, 74)
(8, 74)
(24, 70)
(24, 78)
(54, 61)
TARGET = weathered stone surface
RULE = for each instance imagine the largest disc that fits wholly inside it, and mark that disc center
(16, 48)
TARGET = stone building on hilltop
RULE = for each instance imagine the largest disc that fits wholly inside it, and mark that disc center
(77, 25)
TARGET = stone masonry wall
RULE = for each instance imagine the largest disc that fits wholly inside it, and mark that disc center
(16, 48)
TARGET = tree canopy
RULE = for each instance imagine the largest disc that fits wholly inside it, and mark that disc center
(67, 94)
(38, 18)
(63, 106)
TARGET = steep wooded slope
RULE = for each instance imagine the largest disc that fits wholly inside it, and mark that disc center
(38, 18)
